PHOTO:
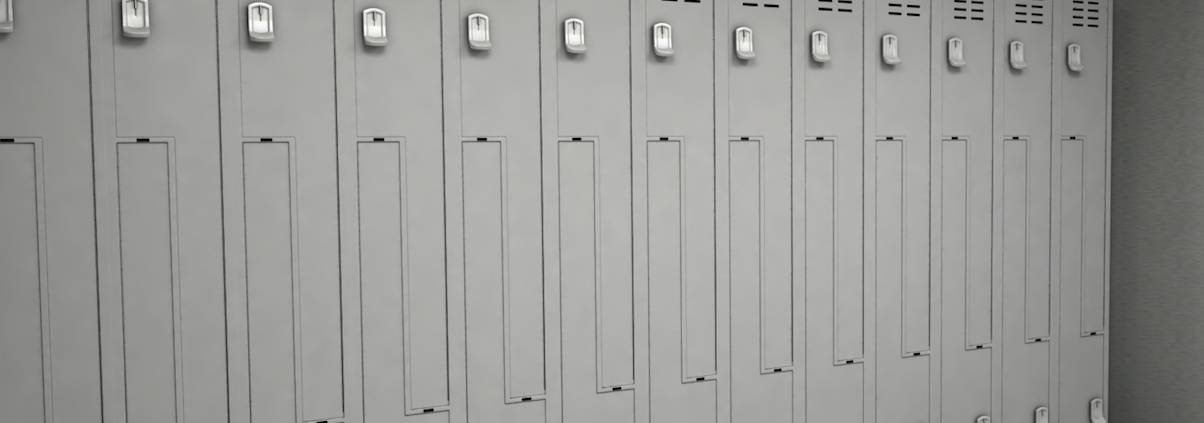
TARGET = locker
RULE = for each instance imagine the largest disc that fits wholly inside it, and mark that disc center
(897, 214)
(499, 154)
(393, 243)
(1023, 198)
(674, 150)
(281, 211)
(48, 292)
(758, 165)
(828, 199)
(587, 208)
(1081, 207)
(962, 193)
(158, 196)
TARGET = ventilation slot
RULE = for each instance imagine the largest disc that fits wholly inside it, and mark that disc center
(827, 8)
(1030, 12)
(903, 9)
(1086, 13)
(969, 10)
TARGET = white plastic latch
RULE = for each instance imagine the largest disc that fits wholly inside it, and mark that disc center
(890, 50)
(819, 46)
(478, 32)
(957, 55)
(983, 419)
(1097, 411)
(6, 15)
(135, 18)
(1016, 52)
(662, 39)
(744, 43)
(1074, 57)
(376, 31)
(259, 21)
(1042, 415)
(574, 36)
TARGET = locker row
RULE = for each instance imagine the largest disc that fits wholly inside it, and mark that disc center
(575, 211)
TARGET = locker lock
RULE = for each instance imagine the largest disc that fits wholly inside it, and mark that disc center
(957, 57)
(662, 39)
(1097, 411)
(819, 47)
(744, 43)
(375, 30)
(574, 36)
(1016, 53)
(6, 16)
(1042, 415)
(890, 50)
(478, 32)
(1074, 57)
(135, 18)
(259, 21)
(983, 419)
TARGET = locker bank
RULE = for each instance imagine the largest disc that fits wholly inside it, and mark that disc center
(578, 211)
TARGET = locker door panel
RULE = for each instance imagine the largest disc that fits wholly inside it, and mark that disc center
(45, 129)
(760, 252)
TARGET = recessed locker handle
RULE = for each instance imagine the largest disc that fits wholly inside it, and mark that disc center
(1016, 52)
(478, 32)
(574, 36)
(6, 15)
(135, 18)
(1042, 415)
(744, 43)
(259, 20)
(957, 55)
(1074, 57)
(819, 46)
(1097, 411)
(890, 50)
(662, 39)
(983, 419)
(375, 27)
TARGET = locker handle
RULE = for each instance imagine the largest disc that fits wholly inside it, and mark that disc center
(574, 36)
(6, 16)
(890, 50)
(983, 419)
(957, 56)
(135, 18)
(1042, 415)
(1074, 57)
(819, 47)
(1017, 55)
(1097, 411)
(662, 39)
(259, 21)
(375, 27)
(744, 43)
(478, 32)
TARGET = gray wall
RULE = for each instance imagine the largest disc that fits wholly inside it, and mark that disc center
(1157, 372)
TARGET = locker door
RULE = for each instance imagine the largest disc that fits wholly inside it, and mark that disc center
(673, 166)
(760, 250)
(897, 214)
(48, 294)
(1081, 205)
(962, 208)
(828, 192)
(1023, 163)
(281, 216)
(499, 153)
(391, 191)
(158, 196)
(587, 167)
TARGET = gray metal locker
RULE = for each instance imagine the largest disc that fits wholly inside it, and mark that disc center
(1022, 187)
(587, 208)
(1081, 206)
(897, 212)
(754, 58)
(828, 203)
(499, 154)
(962, 197)
(47, 258)
(281, 211)
(391, 194)
(159, 217)
(674, 205)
